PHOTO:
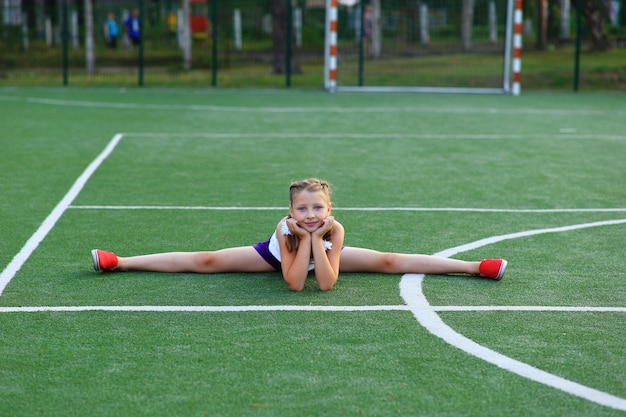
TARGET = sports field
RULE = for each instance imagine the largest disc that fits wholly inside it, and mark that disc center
(539, 180)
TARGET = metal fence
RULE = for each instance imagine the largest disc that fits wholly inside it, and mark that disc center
(231, 43)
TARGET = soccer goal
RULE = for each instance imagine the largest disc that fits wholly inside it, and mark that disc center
(447, 46)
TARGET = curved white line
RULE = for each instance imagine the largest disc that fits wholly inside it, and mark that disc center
(532, 308)
(411, 292)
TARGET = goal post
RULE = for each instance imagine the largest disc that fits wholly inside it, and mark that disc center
(435, 46)
(330, 48)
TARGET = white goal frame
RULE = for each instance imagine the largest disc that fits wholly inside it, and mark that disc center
(512, 58)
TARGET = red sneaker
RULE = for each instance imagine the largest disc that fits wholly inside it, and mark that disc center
(492, 268)
(103, 260)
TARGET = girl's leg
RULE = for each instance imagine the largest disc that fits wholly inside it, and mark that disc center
(242, 259)
(367, 260)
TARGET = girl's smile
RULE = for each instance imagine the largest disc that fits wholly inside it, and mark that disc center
(309, 209)
(312, 226)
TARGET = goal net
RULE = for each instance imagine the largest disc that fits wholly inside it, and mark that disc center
(417, 45)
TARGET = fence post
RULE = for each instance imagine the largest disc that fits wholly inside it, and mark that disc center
(214, 44)
(361, 26)
(577, 57)
(289, 44)
(65, 40)
(142, 40)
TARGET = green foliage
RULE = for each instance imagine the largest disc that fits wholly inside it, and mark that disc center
(402, 62)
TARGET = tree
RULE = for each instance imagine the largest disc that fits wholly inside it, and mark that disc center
(595, 15)
(186, 35)
(90, 52)
(279, 37)
(542, 24)
(467, 17)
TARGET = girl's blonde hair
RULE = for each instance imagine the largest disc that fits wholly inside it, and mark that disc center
(311, 185)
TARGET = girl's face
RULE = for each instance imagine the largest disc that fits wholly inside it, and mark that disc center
(309, 209)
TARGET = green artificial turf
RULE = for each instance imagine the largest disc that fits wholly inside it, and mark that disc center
(434, 171)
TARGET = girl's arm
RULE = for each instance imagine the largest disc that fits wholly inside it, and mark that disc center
(327, 261)
(295, 264)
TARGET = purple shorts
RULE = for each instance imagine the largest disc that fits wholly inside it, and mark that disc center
(263, 248)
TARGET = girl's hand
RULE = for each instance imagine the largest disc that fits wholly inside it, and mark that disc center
(325, 227)
(295, 228)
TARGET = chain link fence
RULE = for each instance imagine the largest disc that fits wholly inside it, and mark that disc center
(234, 44)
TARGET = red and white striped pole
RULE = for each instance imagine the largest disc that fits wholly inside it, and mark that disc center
(517, 47)
(331, 45)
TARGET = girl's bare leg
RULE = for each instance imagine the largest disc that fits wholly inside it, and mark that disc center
(242, 259)
(367, 260)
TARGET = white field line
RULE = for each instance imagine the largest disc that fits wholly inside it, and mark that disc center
(201, 309)
(411, 292)
(386, 135)
(410, 288)
(426, 209)
(295, 109)
(18, 261)
(253, 308)
(564, 134)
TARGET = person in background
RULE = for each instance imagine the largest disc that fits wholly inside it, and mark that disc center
(111, 31)
(132, 28)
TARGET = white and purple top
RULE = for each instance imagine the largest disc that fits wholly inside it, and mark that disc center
(274, 247)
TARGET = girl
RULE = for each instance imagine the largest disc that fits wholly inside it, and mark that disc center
(308, 239)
